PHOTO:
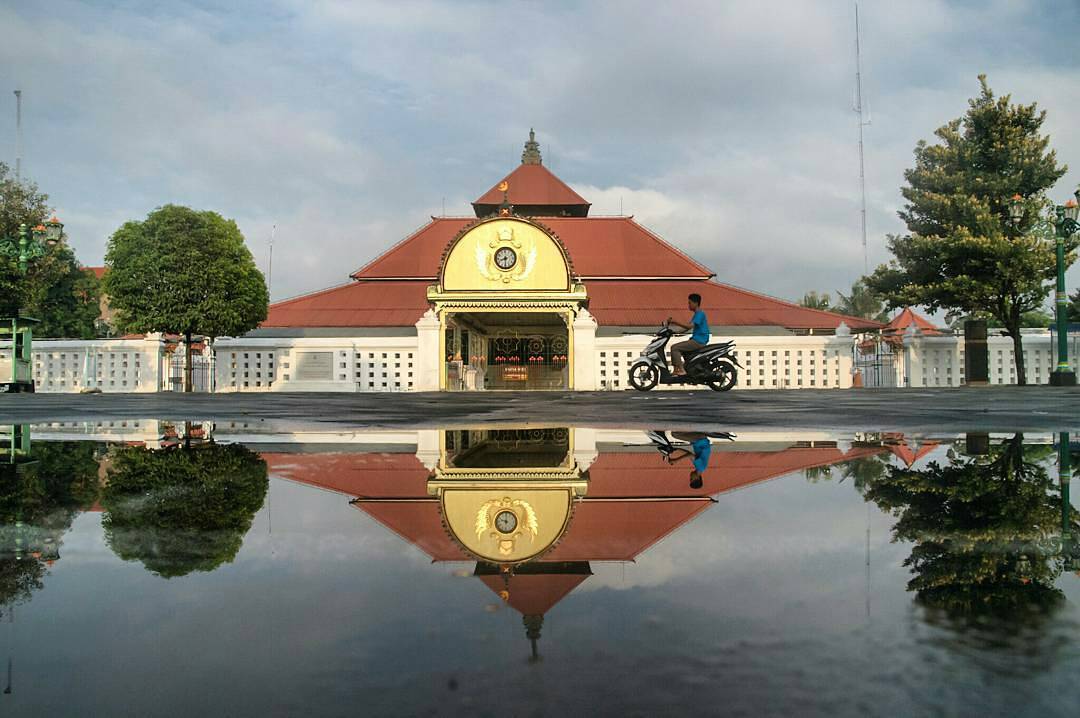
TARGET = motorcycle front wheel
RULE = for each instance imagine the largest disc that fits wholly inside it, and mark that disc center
(728, 376)
(644, 376)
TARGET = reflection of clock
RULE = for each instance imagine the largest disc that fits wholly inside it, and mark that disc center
(505, 522)
(505, 258)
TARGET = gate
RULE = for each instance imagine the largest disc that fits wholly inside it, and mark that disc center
(878, 361)
(200, 373)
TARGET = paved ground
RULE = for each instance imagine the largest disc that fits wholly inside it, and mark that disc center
(1039, 408)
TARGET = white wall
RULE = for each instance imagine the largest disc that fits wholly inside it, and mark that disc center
(770, 362)
(939, 360)
(111, 365)
(396, 363)
(355, 364)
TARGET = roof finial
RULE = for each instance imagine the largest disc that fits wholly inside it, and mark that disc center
(531, 155)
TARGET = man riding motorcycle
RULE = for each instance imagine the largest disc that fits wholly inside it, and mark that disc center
(699, 324)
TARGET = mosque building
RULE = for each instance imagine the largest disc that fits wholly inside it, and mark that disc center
(530, 292)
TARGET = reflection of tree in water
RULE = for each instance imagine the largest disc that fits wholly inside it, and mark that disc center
(860, 471)
(182, 510)
(970, 522)
(38, 502)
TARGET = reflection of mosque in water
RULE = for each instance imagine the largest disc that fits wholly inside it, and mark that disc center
(532, 509)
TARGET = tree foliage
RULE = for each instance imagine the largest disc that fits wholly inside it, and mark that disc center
(185, 272)
(182, 510)
(813, 300)
(970, 521)
(862, 301)
(963, 254)
(1074, 306)
(38, 502)
(56, 289)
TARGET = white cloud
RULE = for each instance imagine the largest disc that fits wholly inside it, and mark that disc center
(725, 126)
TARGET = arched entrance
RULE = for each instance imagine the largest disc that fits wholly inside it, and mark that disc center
(506, 301)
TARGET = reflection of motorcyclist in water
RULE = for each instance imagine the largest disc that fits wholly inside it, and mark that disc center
(700, 449)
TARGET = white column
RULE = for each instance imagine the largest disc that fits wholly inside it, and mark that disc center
(428, 446)
(584, 328)
(428, 355)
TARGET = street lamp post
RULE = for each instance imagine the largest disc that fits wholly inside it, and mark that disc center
(30, 244)
(1065, 225)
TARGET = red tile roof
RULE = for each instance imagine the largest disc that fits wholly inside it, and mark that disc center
(906, 318)
(634, 303)
(598, 247)
(98, 272)
(535, 594)
(648, 303)
(359, 304)
(532, 185)
(376, 475)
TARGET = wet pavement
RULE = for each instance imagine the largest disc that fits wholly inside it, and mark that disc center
(245, 567)
(1007, 408)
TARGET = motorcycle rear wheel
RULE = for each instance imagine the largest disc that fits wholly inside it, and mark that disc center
(644, 376)
(729, 376)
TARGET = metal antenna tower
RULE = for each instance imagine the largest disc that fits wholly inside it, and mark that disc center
(862, 163)
(18, 135)
(270, 261)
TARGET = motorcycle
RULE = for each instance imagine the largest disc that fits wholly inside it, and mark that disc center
(667, 446)
(713, 365)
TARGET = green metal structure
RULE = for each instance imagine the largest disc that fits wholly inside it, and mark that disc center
(16, 363)
(1065, 225)
(16, 371)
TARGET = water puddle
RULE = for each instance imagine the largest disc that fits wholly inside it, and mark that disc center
(153, 567)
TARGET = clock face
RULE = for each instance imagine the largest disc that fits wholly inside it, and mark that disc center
(506, 521)
(505, 258)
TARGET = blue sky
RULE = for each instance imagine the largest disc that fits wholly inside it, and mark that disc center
(724, 126)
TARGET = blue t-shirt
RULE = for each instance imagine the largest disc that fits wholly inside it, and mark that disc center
(700, 325)
(702, 449)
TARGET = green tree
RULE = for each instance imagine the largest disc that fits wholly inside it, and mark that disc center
(813, 300)
(1074, 306)
(56, 289)
(862, 302)
(38, 502)
(185, 272)
(970, 522)
(183, 509)
(963, 253)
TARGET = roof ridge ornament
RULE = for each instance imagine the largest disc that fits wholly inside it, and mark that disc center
(531, 154)
(505, 208)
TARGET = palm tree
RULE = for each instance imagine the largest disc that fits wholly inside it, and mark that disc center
(862, 302)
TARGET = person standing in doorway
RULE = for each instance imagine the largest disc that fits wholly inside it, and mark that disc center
(699, 337)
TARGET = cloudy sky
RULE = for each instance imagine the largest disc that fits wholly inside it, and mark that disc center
(725, 126)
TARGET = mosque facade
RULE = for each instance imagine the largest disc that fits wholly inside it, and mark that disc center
(528, 292)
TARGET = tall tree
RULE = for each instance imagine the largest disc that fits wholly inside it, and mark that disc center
(813, 300)
(185, 272)
(862, 302)
(978, 530)
(963, 253)
(1074, 306)
(180, 510)
(56, 289)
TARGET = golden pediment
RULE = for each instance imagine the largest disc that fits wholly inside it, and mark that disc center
(505, 254)
(506, 524)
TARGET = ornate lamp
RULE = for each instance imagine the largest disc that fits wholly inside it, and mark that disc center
(54, 230)
(1072, 208)
(1016, 209)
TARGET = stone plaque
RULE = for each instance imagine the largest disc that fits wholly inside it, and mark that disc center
(314, 366)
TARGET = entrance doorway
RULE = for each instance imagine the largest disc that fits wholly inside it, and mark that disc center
(507, 350)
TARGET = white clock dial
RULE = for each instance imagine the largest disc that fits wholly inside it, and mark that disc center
(505, 258)
(506, 521)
